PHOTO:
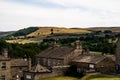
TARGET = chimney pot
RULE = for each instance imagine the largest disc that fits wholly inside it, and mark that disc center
(5, 53)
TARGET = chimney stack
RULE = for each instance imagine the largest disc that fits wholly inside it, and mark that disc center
(5, 53)
(78, 44)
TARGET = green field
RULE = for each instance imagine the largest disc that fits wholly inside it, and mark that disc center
(60, 78)
(99, 77)
(86, 77)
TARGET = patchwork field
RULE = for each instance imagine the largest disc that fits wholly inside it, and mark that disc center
(23, 41)
(44, 31)
(113, 29)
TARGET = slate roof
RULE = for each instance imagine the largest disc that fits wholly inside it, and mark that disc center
(55, 52)
(19, 62)
(112, 57)
(89, 59)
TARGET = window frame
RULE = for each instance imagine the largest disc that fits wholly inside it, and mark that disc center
(3, 77)
(91, 66)
(3, 66)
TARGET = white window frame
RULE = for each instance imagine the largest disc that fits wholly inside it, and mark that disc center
(28, 76)
(91, 66)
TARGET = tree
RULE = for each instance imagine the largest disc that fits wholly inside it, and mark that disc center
(51, 30)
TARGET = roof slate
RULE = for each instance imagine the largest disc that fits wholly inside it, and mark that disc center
(55, 52)
(89, 59)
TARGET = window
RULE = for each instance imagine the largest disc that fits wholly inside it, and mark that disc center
(54, 63)
(58, 62)
(91, 66)
(44, 61)
(3, 66)
(49, 62)
(78, 70)
(3, 77)
(28, 77)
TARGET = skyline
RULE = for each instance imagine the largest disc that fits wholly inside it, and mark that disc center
(18, 14)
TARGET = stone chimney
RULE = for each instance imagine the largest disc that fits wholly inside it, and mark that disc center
(87, 51)
(25, 57)
(78, 44)
(5, 53)
(29, 63)
(55, 44)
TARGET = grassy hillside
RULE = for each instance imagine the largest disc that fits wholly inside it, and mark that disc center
(44, 31)
(36, 34)
(5, 33)
(113, 29)
(99, 77)
(25, 31)
(60, 78)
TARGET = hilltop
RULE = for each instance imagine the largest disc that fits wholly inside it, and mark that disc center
(44, 31)
(113, 29)
(5, 33)
(37, 34)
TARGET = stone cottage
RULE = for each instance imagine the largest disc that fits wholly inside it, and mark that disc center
(58, 56)
(58, 60)
(53, 61)
(92, 63)
(12, 69)
(38, 71)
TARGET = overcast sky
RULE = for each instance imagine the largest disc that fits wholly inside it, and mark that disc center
(18, 14)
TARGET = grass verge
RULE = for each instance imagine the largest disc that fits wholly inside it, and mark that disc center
(86, 77)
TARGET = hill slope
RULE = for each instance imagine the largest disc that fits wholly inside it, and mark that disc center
(113, 29)
(37, 34)
(6, 33)
(25, 31)
(44, 31)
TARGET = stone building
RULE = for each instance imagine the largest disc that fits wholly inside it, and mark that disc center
(12, 69)
(92, 63)
(58, 56)
(5, 66)
(38, 71)
(17, 68)
(53, 61)
(57, 60)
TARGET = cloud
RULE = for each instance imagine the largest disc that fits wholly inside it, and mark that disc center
(93, 4)
(74, 13)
